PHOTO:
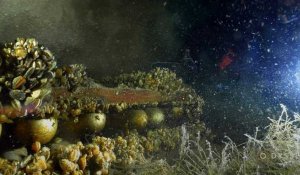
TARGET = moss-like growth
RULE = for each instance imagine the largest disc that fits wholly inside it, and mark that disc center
(278, 152)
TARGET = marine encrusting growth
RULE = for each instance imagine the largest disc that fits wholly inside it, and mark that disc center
(57, 120)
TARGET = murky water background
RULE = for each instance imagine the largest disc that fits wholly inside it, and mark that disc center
(190, 37)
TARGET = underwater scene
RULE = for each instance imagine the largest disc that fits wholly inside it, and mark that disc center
(138, 87)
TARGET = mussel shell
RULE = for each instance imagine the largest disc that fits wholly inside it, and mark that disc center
(17, 94)
(29, 72)
(31, 130)
(48, 54)
(138, 119)
(33, 102)
(18, 82)
(16, 104)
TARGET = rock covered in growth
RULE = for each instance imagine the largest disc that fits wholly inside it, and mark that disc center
(75, 158)
(26, 69)
(65, 158)
(95, 157)
(159, 79)
(167, 83)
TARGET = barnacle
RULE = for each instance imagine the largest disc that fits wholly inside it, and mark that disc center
(71, 77)
(129, 149)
